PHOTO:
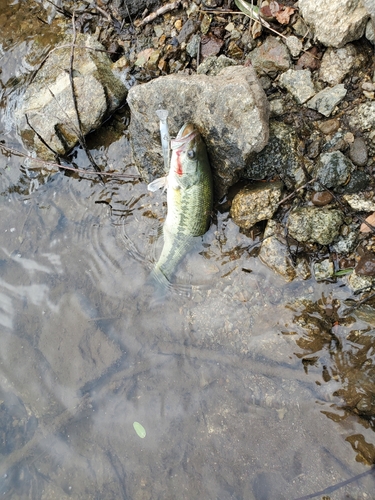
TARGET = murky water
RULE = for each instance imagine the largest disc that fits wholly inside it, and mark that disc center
(247, 388)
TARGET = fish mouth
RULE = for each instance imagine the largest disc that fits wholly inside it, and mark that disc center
(184, 137)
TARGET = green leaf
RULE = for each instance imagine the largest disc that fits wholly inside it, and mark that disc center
(248, 9)
(343, 272)
(139, 429)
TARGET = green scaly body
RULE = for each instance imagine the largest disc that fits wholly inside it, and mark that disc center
(189, 200)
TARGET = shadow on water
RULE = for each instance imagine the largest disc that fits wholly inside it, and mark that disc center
(247, 387)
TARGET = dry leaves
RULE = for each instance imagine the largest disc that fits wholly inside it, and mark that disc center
(364, 227)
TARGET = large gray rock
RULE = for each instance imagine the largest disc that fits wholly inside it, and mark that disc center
(335, 22)
(48, 101)
(230, 110)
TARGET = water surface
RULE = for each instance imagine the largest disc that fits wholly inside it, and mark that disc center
(247, 387)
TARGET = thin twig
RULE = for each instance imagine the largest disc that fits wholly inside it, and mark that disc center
(81, 137)
(39, 136)
(162, 10)
(65, 167)
(296, 190)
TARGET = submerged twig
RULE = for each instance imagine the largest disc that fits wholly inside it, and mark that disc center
(162, 10)
(40, 137)
(81, 137)
(65, 167)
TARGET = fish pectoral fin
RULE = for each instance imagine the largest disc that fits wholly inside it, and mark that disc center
(162, 182)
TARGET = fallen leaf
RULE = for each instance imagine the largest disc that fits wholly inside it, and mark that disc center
(139, 429)
(274, 8)
(364, 227)
(256, 30)
(283, 16)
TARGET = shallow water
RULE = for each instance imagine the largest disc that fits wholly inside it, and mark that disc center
(247, 388)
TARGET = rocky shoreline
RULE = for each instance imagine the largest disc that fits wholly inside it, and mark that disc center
(287, 111)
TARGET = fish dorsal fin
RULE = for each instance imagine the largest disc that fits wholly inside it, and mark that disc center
(162, 182)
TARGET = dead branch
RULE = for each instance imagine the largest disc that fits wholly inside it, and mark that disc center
(40, 137)
(81, 137)
(296, 190)
(65, 167)
(162, 10)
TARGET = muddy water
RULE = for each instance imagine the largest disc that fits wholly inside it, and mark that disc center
(247, 388)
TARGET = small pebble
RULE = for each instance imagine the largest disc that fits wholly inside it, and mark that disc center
(358, 152)
(329, 126)
(178, 25)
(321, 198)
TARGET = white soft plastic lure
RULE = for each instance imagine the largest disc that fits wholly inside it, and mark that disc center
(162, 114)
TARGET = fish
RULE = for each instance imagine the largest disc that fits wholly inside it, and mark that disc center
(189, 200)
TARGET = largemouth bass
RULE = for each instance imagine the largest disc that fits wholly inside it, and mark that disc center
(189, 200)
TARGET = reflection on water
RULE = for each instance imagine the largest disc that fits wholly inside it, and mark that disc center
(232, 377)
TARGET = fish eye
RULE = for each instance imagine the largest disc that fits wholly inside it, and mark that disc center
(191, 154)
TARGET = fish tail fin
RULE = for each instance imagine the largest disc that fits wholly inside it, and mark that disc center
(161, 287)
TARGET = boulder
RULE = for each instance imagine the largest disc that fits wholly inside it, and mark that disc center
(48, 104)
(335, 22)
(230, 110)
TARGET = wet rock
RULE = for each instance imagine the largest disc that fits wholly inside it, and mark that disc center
(274, 253)
(294, 45)
(332, 170)
(360, 283)
(48, 101)
(326, 100)
(363, 117)
(255, 203)
(213, 65)
(358, 152)
(280, 157)
(298, 83)
(312, 224)
(335, 22)
(359, 203)
(272, 56)
(219, 106)
(323, 270)
(321, 198)
(338, 63)
(366, 265)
